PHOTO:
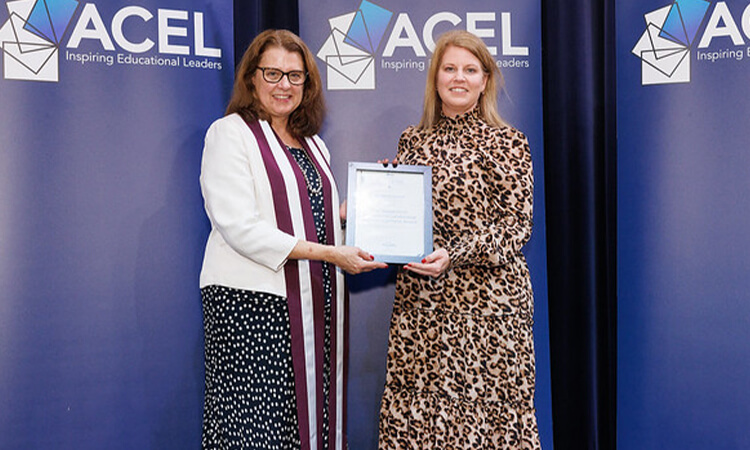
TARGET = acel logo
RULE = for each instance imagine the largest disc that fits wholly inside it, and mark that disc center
(349, 50)
(664, 48)
(30, 38)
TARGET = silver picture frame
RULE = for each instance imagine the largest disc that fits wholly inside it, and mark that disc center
(389, 211)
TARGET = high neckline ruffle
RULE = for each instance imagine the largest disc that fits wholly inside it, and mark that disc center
(460, 121)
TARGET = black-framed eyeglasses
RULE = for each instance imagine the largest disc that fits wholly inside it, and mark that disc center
(272, 75)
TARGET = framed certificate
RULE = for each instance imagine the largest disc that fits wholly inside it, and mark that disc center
(389, 211)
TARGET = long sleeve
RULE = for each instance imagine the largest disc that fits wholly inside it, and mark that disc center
(507, 228)
(229, 188)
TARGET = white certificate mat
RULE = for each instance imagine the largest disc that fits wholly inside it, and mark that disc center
(389, 211)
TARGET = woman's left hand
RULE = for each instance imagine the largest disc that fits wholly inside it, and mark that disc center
(433, 265)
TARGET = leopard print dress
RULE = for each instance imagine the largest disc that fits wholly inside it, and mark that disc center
(461, 369)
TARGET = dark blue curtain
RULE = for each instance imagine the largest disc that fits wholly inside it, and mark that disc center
(253, 16)
(580, 164)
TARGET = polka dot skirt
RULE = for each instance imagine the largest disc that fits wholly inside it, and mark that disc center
(249, 398)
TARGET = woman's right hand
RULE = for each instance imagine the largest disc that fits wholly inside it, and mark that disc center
(354, 260)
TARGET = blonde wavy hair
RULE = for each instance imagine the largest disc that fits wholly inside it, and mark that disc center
(488, 98)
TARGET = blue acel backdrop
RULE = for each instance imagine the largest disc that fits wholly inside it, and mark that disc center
(103, 109)
(101, 219)
(684, 246)
(373, 58)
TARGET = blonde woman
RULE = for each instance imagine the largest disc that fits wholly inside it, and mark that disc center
(460, 369)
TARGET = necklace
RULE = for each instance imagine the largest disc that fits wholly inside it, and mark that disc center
(312, 188)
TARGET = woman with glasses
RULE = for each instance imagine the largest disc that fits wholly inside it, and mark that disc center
(272, 285)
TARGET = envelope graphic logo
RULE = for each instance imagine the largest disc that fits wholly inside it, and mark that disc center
(30, 38)
(664, 48)
(349, 50)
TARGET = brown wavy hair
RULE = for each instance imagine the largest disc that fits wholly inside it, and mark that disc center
(307, 119)
(487, 103)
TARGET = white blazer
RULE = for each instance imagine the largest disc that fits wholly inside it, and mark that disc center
(245, 249)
